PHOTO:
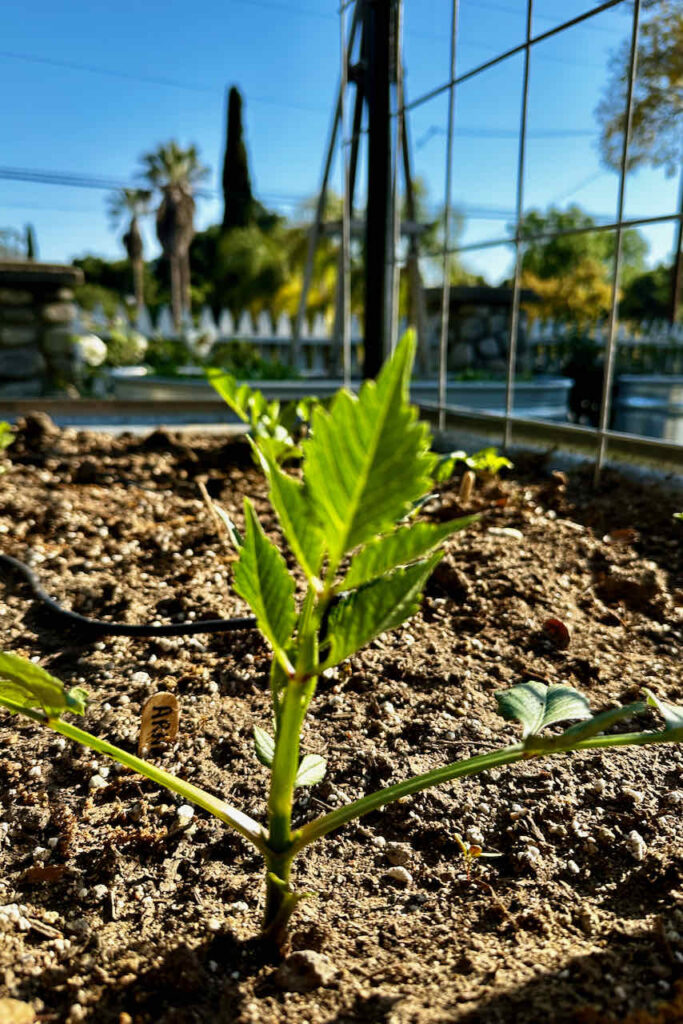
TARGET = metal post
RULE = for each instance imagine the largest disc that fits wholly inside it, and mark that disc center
(446, 286)
(394, 265)
(608, 370)
(377, 25)
(320, 206)
(677, 268)
(519, 222)
(345, 254)
(415, 289)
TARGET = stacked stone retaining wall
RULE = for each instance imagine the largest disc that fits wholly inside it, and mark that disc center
(37, 355)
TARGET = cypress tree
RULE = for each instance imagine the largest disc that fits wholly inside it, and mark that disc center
(238, 210)
(31, 244)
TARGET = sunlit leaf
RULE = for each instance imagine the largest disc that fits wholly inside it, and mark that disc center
(262, 580)
(265, 746)
(368, 458)
(373, 609)
(297, 516)
(672, 715)
(536, 705)
(311, 770)
(30, 686)
(402, 547)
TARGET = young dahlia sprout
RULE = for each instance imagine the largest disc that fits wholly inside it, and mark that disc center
(350, 523)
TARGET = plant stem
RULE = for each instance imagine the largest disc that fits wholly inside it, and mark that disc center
(341, 815)
(472, 766)
(285, 767)
(242, 823)
(280, 900)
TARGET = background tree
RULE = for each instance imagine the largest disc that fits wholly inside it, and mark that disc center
(31, 244)
(558, 256)
(252, 266)
(11, 244)
(175, 172)
(129, 205)
(238, 209)
(647, 296)
(657, 106)
(579, 297)
(572, 274)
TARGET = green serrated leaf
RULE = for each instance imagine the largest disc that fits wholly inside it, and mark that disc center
(402, 547)
(373, 609)
(265, 746)
(368, 458)
(30, 686)
(672, 715)
(262, 580)
(536, 705)
(311, 771)
(297, 516)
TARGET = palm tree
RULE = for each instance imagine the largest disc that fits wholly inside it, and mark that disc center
(175, 172)
(128, 204)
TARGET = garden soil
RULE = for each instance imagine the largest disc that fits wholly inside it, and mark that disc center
(115, 909)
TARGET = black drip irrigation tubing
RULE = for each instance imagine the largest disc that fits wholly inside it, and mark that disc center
(12, 568)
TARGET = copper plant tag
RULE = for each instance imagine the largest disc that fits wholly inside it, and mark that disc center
(159, 723)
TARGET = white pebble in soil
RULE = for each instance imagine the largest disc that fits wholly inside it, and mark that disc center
(400, 875)
(636, 845)
(184, 814)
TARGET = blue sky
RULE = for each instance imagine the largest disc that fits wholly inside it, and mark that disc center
(159, 71)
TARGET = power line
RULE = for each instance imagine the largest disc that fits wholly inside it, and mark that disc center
(71, 179)
(503, 133)
(172, 83)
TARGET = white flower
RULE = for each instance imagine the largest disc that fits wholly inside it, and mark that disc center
(200, 342)
(93, 350)
(138, 343)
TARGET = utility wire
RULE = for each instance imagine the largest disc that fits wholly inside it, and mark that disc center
(173, 83)
(74, 180)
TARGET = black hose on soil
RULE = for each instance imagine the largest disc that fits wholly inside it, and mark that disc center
(12, 567)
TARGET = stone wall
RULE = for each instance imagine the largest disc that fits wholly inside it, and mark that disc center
(479, 327)
(37, 355)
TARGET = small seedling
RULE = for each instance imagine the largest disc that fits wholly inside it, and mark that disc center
(6, 438)
(275, 428)
(365, 465)
(487, 463)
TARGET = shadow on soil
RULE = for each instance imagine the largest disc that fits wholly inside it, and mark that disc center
(590, 989)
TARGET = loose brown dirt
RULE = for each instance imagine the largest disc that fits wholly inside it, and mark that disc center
(110, 912)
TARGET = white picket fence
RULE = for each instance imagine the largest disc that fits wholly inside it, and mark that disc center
(655, 332)
(273, 339)
(315, 354)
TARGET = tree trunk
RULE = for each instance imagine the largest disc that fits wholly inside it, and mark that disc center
(176, 290)
(139, 283)
(184, 260)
